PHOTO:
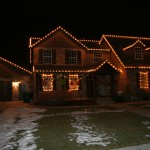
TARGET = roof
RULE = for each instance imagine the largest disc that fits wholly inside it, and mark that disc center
(121, 44)
(93, 45)
(9, 69)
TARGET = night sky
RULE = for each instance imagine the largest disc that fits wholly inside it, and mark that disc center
(83, 19)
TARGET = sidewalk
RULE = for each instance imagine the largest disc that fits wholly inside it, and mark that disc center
(139, 147)
(134, 109)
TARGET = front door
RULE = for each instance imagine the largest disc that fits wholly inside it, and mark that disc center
(103, 85)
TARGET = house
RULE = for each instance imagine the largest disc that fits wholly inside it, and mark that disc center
(14, 81)
(67, 68)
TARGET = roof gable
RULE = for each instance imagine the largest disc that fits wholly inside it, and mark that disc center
(113, 50)
(134, 44)
(60, 33)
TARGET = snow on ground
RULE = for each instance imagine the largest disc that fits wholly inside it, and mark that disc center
(147, 124)
(86, 132)
(17, 127)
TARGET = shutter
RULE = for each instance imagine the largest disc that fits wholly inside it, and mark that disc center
(138, 80)
(80, 82)
(66, 56)
(54, 82)
(40, 56)
(53, 56)
(79, 56)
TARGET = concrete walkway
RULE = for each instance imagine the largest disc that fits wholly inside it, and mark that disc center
(134, 109)
(139, 147)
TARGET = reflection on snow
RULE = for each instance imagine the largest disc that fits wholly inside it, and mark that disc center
(18, 133)
(86, 132)
(147, 124)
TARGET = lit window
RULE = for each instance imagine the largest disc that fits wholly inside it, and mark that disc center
(47, 82)
(73, 82)
(138, 53)
(144, 80)
(73, 57)
(98, 56)
(47, 56)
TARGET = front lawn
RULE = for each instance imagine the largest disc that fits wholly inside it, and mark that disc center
(91, 128)
(142, 105)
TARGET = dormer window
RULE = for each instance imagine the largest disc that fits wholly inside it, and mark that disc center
(98, 56)
(138, 53)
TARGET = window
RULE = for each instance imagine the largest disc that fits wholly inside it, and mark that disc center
(138, 53)
(47, 82)
(72, 56)
(47, 56)
(73, 82)
(98, 56)
(144, 80)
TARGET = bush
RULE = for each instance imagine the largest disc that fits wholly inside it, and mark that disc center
(27, 97)
(118, 98)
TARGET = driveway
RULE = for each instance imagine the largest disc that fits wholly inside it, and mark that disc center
(17, 125)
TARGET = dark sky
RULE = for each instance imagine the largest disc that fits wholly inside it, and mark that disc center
(34, 18)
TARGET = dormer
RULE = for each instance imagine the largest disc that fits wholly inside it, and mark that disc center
(137, 48)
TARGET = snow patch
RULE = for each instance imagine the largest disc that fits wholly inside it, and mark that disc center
(17, 127)
(87, 133)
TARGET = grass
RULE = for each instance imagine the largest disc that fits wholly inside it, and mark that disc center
(142, 105)
(57, 130)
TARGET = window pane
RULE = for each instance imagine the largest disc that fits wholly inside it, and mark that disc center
(138, 53)
(144, 80)
(98, 56)
(47, 56)
(73, 82)
(47, 82)
(72, 57)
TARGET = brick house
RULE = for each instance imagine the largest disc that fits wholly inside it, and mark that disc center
(14, 81)
(65, 67)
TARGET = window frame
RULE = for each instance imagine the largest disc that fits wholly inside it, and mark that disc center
(49, 57)
(138, 51)
(144, 80)
(97, 56)
(73, 79)
(47, 86)
(73, 59)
